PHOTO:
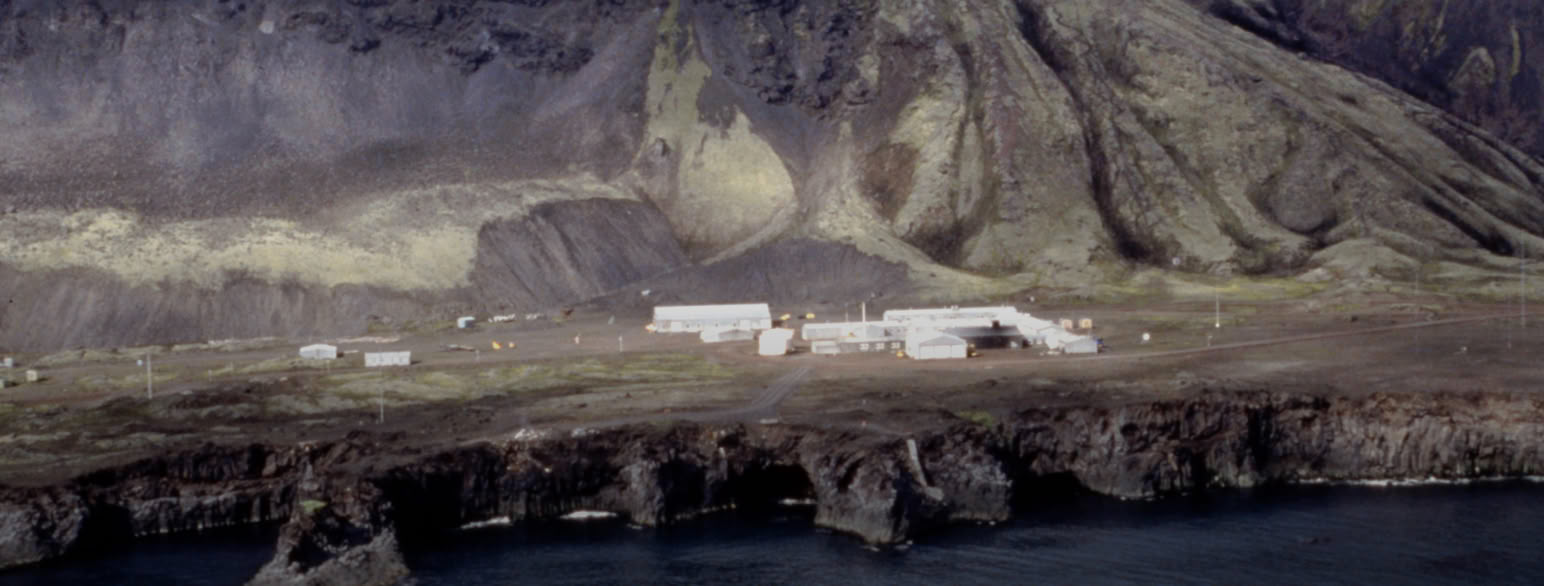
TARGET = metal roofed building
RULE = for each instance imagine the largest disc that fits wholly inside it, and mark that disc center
(319, 352)
(774, 342)
(1003, 314)
(930, 345)
(713, 336)
(696, 318)
(1082, 345)
(852, 329)
(378, 359)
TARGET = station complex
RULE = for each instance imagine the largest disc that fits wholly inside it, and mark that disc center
(948, 332)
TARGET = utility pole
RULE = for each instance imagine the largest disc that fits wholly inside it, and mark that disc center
(863, 307)
(1216, 307)
(149, 378)
(620, 348)
(381, 403)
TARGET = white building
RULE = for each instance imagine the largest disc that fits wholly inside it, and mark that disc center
(464, 322)
(319, 352)
(1081, 345)
(730, 335)
(774, 342)
(374, 359)
(1003, 314)
(696, 318)
(852, 329)
(929, 345)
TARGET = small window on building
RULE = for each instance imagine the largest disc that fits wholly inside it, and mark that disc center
(863, 346)
(895, 345)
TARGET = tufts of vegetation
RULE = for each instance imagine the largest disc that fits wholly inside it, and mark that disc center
(981, 418)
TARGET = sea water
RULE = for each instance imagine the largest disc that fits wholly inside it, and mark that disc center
(1490, 533)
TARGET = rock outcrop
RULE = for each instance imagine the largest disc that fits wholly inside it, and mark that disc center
(1473, 59)
(337, 535)
(351, 508)
(181, 172)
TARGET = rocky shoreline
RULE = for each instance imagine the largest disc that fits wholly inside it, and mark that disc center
(350, 507)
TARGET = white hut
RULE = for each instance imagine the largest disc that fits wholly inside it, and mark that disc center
(696, 318)
(319, 352)
(726, 335)
(928, 345)
(775, 342)
(1081, 345)
(374, 359)
(464, 322)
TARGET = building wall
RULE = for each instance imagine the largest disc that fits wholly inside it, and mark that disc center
(687, 326)
(373, 359)
(887, 345)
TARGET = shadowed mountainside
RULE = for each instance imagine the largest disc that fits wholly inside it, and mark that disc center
(1469, 58)
(195, 169)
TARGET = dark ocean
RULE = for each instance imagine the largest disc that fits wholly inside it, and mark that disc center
(1490, 533)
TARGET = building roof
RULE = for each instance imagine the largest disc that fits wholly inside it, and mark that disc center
(934, 339)
(775, 333)
(690, 312)
(319, 347)
(935, 313)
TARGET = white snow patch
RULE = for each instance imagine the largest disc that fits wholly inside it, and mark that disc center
(588, 515)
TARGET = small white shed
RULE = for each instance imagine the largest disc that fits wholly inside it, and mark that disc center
(374, 359)
(319, 352)
(464, 322)
(930, 345)
(775, 342)
(726, 335)
(1081, 345)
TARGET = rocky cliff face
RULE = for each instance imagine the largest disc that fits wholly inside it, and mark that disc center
(1477, 60)
(350, 506)
(288, 166)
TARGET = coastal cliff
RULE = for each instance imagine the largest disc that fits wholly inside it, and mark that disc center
(351, 506)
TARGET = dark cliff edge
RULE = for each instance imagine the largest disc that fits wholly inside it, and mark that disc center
(350, 507)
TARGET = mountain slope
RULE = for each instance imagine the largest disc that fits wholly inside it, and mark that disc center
(188, 170)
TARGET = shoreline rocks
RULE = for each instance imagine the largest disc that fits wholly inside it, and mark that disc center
(353, 506)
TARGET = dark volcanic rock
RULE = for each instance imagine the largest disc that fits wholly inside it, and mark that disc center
(352, 508)
(37, 525)
(568, 251)
(337, 535)
(789, 271)
(1477, 60)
